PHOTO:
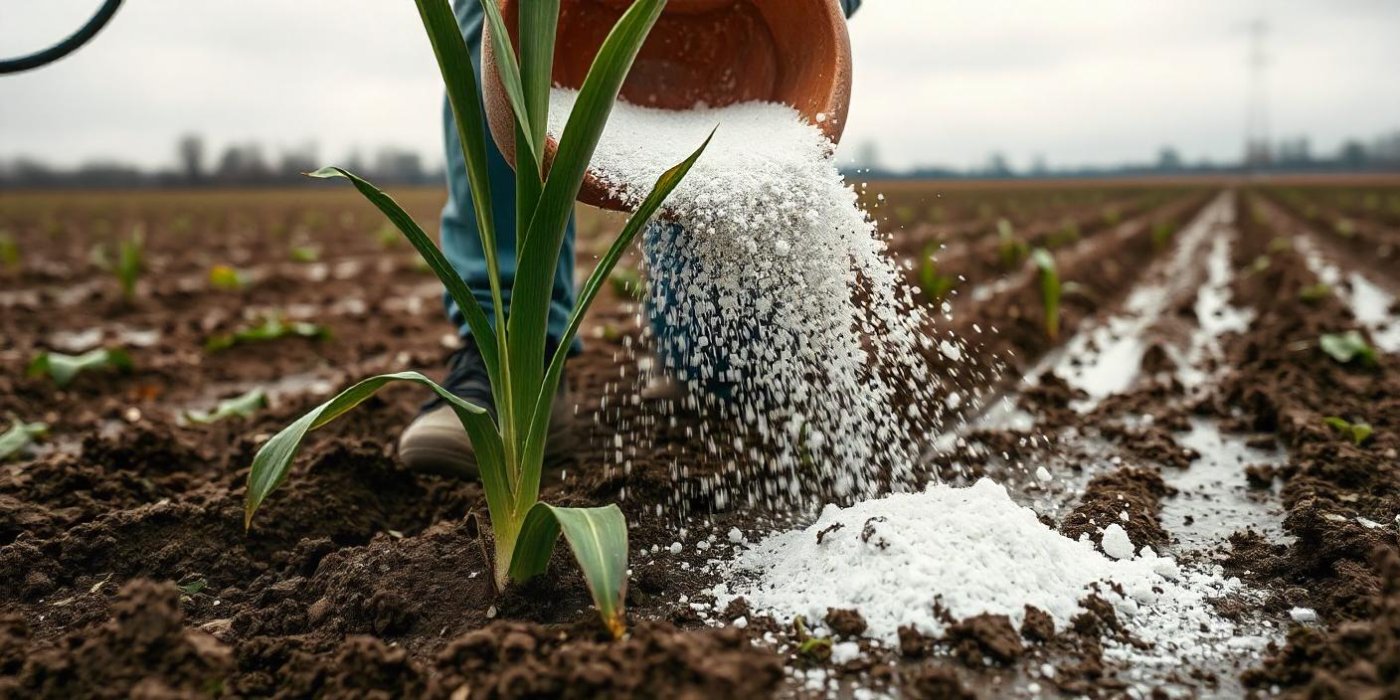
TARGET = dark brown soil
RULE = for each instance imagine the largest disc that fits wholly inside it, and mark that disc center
(128, 574)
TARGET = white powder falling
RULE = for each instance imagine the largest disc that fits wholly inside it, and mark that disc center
(776, 290)
(973, 550)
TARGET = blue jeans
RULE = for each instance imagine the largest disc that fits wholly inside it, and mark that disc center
(462, 244)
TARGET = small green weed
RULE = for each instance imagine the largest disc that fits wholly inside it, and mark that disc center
(305, 253)
(272, 328)
(243, 406)
(63, 369)
(934, 284)
(1010, 249)
(19, 436)
(628, 283)
(1359, 432)
(1348, 346)
(227, 278)
(1314, 293)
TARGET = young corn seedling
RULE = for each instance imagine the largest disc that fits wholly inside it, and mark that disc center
(127, 266)
(129, 263)
(1010, 249)
(9, 251)
(63, 369)
(1162, 235)
(1067, 234)
(305, 253)
(18, 437)
(628, 283)
(226, 278)
(934, 284)
(388, 237)
(1049, 290)
(1358, 432)
(272, 328)
(1348, 346)
(1111, 216)
(510, 448)
(243, 406)
(1314, 293)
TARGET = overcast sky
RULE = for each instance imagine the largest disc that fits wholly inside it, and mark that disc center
(936, 81)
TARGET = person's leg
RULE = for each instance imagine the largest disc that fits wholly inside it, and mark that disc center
(461, 242)
(435, 441)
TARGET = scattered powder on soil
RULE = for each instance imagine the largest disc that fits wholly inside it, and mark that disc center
(778, 291)
(974, 551)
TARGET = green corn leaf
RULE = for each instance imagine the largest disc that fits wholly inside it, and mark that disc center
(539, 25)
(598, 538)
(129, 263)
(1049, 290)
(243, 406)
(538, 253)
(454, 62)
(456, 288)
(19, 436)
(508, 68)
(1348, 346)
(538, 418)
(274, 459)
(64, 368)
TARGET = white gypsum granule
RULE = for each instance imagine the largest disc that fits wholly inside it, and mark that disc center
(973, 550)
(779, 304)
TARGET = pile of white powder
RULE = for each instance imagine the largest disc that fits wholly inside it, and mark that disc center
(776, 288)
(973, 550)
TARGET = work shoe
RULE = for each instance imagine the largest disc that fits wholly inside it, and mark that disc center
(436, 443)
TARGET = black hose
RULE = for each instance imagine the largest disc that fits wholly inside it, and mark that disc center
(65, 47)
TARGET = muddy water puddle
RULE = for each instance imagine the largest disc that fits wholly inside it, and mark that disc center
(1214, 498)
(1107, 357)
(1369, 302)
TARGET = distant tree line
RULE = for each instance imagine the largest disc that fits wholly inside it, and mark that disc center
(246, 165)
(237, 165)
(1291, 155)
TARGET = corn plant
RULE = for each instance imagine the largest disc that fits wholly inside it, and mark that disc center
(510, 447)
(9, 251)
(1348, 346)
(19, 436)
(305, 253)
(127, 266)
(934, 284)
(1010, 249)
(130, 263)
(1314, 293)
(271, 328)
(628, 283)
(1049, 290)
(1358, 432)
(63, 369)
(1067, 233)
(243, 406)
(1162, 232)
(227, 278)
